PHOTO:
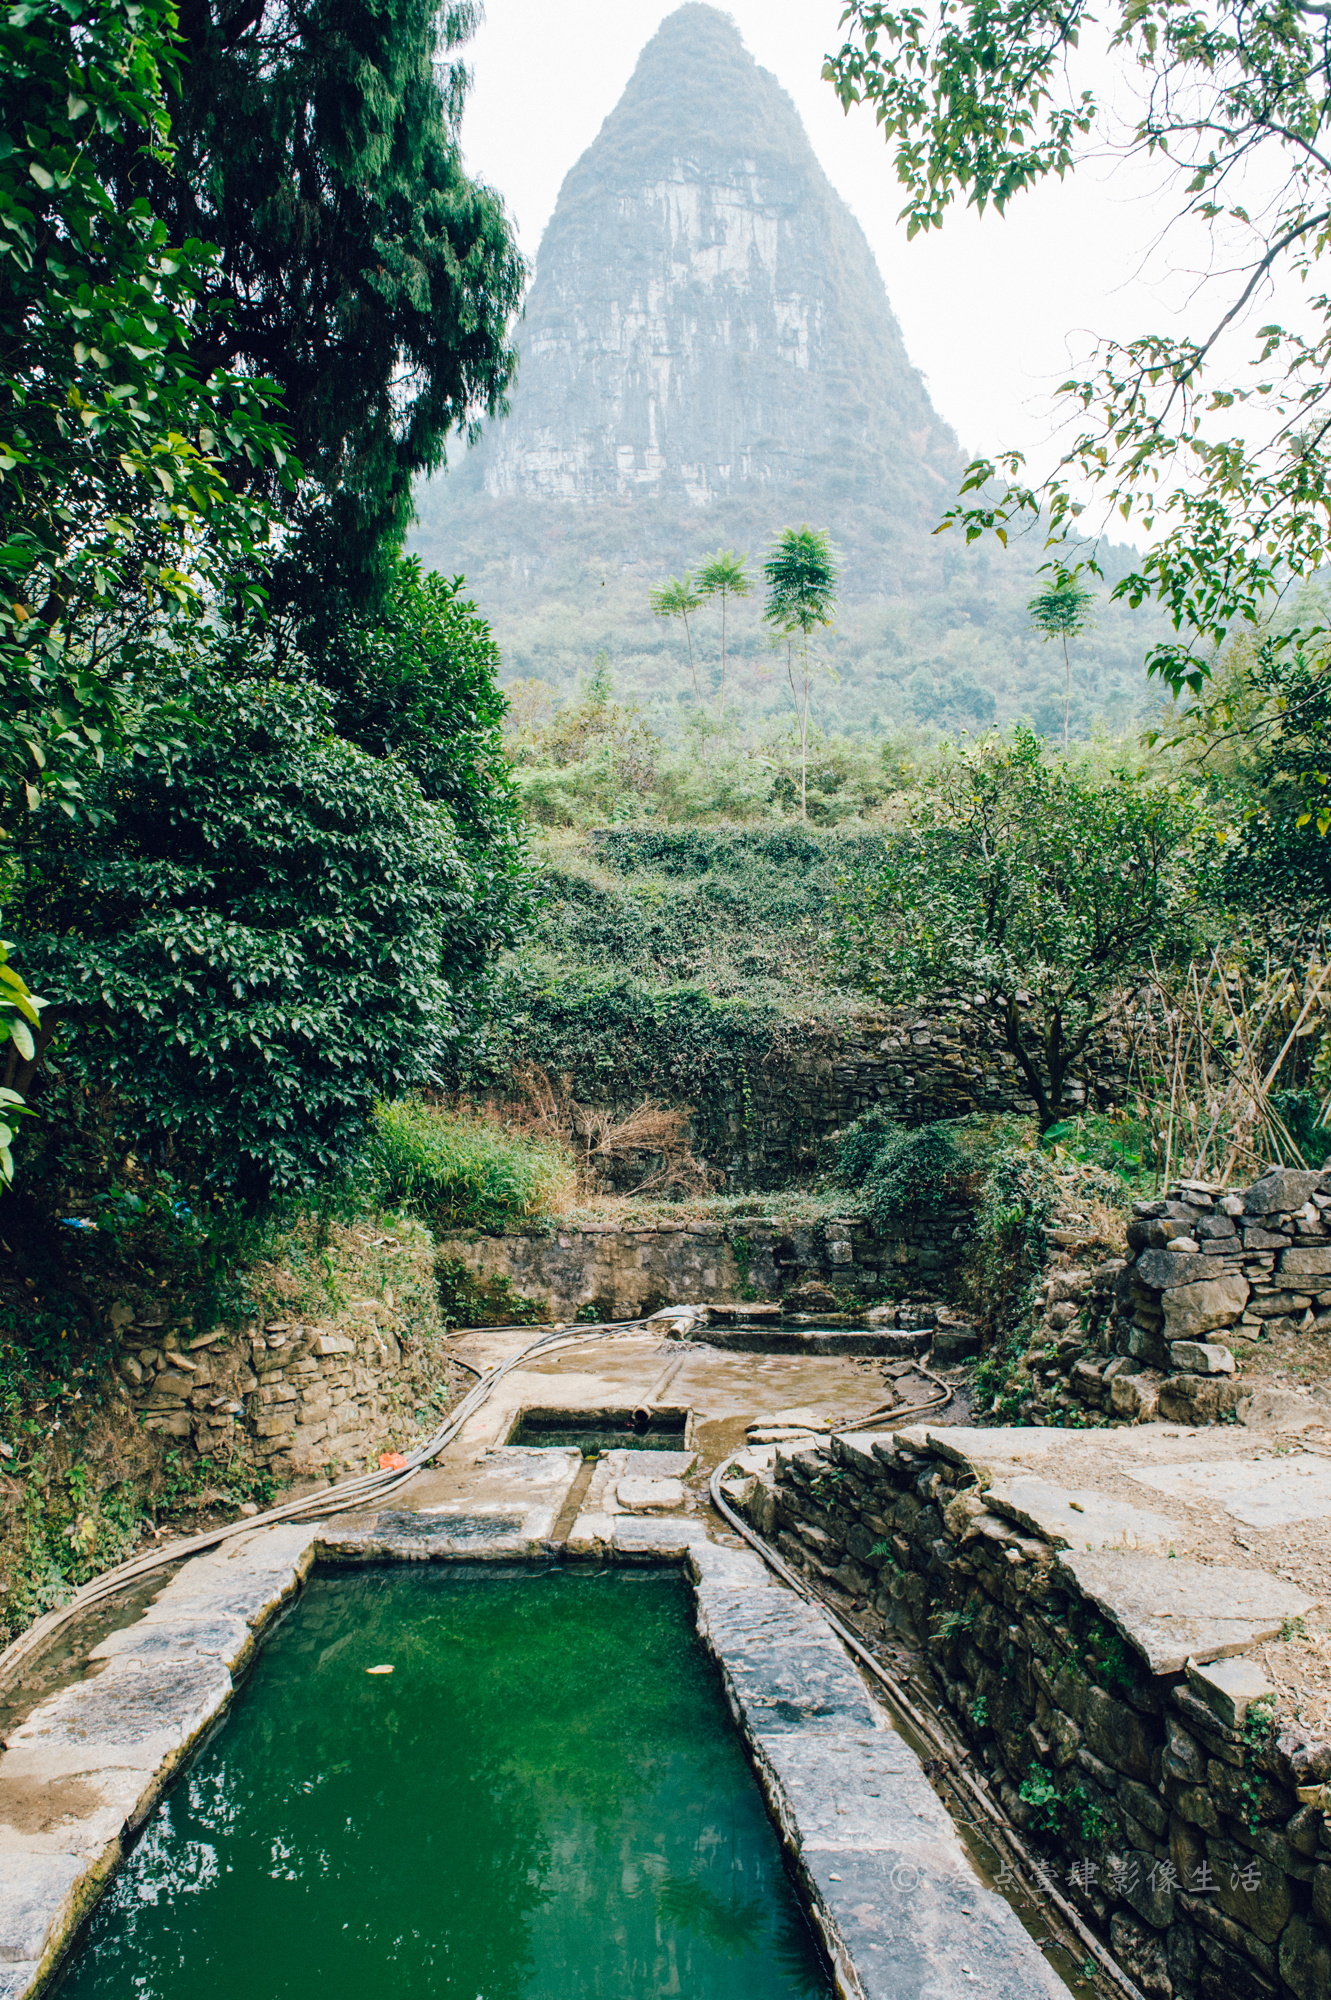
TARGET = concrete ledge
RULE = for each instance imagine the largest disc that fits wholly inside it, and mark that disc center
(868, 1342)
(902, 1913)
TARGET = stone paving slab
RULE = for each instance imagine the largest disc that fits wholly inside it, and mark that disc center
(649, 1496)
(504, 1503)
(247, 1578)
(930, 1936)
(1173, 1611)
(901, 1909)
(657, 1464)
(1267, 1493)
(438, 1533)
(728, 1569)
(782, 1666)
(136, 1716)
(653, 1541)
(983, 1450)
(36, 1891)
(1077, 1518)
(229, 1640)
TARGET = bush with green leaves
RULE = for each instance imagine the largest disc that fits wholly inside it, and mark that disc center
(1031, 883)
(462, 1170)
(258, 937)
(1123, 1143)
(897, 1172)
(419, 681)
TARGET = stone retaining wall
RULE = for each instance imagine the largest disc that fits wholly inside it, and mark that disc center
(625, 1273)
(773, 1124)
(1189, 1831)
(1213, 1283)
(302, 1397)
(768, 1122)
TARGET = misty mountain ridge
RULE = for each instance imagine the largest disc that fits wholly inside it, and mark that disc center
(708, 355)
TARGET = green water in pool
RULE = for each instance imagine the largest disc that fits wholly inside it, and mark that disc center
(545, 1798)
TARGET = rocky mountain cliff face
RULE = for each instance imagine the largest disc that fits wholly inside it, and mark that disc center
(707, 318)
(708, 357)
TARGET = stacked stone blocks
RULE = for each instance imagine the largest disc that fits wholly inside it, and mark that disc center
(1168, 1809)
(1209, 1276)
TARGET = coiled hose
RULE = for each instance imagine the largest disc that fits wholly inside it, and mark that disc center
(947, 1743)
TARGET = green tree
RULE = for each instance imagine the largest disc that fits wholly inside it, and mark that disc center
(255, 940)
(801, 577)
(1259, 738)
(1061, 612)
(724, 575)
(418, 682)
(978, 100)
(128, 490)
(20, 1016)
(678, 598)
(600, 681)
(1034, 887)
(360, 268)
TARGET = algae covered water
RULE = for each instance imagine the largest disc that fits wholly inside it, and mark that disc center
(546, 1798)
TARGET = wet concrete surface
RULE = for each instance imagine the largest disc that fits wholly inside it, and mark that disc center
(726, 1392)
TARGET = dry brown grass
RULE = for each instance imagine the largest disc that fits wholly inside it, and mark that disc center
(651, 1136)
(1212, 1044)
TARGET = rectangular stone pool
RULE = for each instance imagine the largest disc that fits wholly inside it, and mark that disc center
(545, 1798)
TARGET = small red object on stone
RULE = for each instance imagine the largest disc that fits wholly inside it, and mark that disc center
(392, 1461)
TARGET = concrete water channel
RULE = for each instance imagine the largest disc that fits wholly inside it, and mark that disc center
(483, 1752)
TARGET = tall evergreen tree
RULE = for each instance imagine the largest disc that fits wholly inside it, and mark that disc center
(360, 269)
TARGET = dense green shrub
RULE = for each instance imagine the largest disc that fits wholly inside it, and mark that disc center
(263, 933)
(462, 1170)
(897, 1172)
(419, 682)
(1121, 1143)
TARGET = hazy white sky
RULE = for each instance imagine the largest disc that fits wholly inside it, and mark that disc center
(995, 311)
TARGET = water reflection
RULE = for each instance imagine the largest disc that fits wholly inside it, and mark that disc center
(544, 1799)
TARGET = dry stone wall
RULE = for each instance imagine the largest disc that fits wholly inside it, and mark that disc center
(769, 1122)
(1188, 1828)
(303, 1397)
(624, 1273)
(1215, 1284)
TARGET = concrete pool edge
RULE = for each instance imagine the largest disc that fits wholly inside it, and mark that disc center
(879, 1866)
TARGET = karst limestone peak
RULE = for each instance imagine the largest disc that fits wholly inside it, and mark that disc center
(706, 318)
